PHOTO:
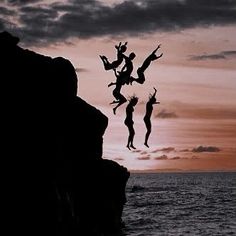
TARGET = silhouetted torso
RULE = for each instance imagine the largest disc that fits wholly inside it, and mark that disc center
(129, 115)
(149, 109)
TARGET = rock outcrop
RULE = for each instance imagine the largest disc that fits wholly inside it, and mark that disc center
(56, 180)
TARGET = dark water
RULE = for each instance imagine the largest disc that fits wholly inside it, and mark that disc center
(181, 204)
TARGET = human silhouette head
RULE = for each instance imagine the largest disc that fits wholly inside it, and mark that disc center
(132, 55)
(123, 47)
(133, 100)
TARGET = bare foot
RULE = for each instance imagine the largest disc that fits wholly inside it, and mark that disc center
(146, 145)
(133, 146)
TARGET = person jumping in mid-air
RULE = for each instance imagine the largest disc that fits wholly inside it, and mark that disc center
(122, 78)
(120, 99)
(127, 69)
(147, 118)
(121, 48)
(145, 65)
(129, 120)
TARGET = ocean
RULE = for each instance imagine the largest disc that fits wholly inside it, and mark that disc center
(180, 204)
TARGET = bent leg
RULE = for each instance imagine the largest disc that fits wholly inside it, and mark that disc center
(149, 59)
(122, 100)
(107, 65)
(140, 70)
(147, 62)
(140, 79)
(115, 64)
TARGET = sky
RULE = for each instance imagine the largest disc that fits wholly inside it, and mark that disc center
(194, 127)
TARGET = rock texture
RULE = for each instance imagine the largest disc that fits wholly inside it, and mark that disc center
(56, 181)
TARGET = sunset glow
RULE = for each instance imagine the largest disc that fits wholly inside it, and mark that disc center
(194, 127)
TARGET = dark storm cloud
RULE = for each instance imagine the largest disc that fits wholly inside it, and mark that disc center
(86, 19)
(217, 56)
(206, 149)
(6, 11)
(22, 2)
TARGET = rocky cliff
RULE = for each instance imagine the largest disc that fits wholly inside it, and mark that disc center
(56, 180)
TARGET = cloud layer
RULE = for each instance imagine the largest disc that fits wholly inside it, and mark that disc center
(166, 114)
(171, 153)
(42, 23)
(217, 56)
(206, 149)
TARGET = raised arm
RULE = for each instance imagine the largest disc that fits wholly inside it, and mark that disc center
(154, 96)
(118, 46)
(155, 92)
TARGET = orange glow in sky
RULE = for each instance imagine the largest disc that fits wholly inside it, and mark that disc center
(196, 87)
(200, 93)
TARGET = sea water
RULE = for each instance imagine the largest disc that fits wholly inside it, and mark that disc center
(180, 204)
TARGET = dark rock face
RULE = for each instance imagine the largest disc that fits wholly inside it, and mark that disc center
(56, 180)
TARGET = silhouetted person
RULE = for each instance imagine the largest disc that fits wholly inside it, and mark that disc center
(129, 121)
(120, 99)
(128, 67)
(147, 117)
(145, 65)
(120, 56)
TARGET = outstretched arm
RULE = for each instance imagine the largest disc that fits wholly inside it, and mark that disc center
(154, 95)
(118, 46)
(159, 46)
(160, 55)
(155, 92)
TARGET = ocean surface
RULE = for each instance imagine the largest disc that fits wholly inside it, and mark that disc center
(180, 204)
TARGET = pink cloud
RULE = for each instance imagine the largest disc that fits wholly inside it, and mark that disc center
(166, 150)
(143, 158)
(162, 157)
